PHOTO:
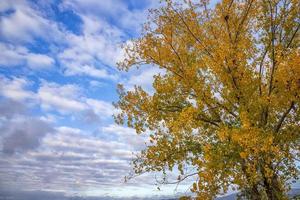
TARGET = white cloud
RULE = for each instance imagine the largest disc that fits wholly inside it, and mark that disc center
(65, 98)
(25, 23)
(77, 69)
(96, 84)
(11, 55)
(68, 130)
(127, 135)
(21, 26)
(68, 159)
(99, 44)
(49, 118)
(71, 159)
(118, 10)
(15, 89)
(70, 99)
(95, 52)
(143, 77)
(39, 60)
(102, 108)
(96, 7)
(66, 156)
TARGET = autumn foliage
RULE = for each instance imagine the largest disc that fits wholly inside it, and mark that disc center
(228, 102)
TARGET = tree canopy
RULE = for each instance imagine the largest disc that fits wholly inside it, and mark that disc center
(228, 102)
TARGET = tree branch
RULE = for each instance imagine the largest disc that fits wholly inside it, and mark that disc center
(182, 179)
(260, 68)
(210, 121)
(293, 36)
(193, 35)
(281, 120)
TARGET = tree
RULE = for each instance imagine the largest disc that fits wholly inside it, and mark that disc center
(227, 105)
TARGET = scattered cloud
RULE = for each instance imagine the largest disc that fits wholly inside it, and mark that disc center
(22, 23)
(23, 135)
(64, 98)
(19, 132)
(56, 129)
(116, 10)
(15, 88)
(50, 96)
(74, 68)
(127, 135)
(96, 84)
(101, 107)
(11, 56)
(66, 154)
(95, 52)
(70, 98)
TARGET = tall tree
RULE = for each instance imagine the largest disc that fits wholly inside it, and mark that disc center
(228, 104)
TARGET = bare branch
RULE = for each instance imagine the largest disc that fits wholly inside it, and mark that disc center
(182, 179)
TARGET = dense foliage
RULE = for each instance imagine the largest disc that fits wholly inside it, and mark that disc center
(227, 105)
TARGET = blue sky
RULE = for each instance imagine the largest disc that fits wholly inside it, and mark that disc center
(58, 80)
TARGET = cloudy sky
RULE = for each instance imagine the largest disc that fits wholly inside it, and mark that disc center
(57, 83)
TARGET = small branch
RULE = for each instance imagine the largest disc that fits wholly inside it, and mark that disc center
(213, 122)
(185, 177)
(163, 66)
(293, 36)
(243, 20)
(260, 69)
(273, 49)
(193, 35)
(228, 28)
(229, 111)
(284, 116)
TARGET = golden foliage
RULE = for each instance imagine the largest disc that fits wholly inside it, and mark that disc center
(228, 102)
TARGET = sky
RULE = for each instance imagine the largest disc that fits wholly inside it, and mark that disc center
(58, 80)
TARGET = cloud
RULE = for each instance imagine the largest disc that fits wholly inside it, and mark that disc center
(101, 107)
(95, 52)
(17, 56)
(10, 108)
(96, 84)
(143, 77)
(64, 98)
(127, 135)
(38, 61)
(69, 99)
(15, 88)
(74, 68)
(64, 159)
(90, 116)
(19, 132)
(23, 135)
(115, 10)
(24, 24)
(38, 148)
(56, 195)
(95, 7)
